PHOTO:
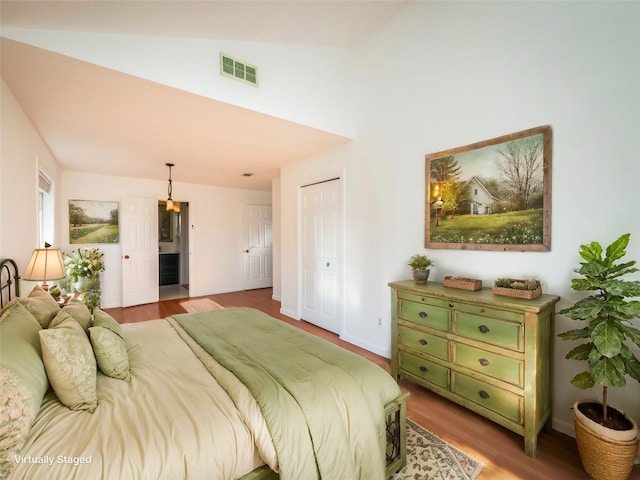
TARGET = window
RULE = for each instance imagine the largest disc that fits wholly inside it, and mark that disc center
(45, 210)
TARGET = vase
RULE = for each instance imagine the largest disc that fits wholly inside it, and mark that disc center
(421, 276)
(89, 287)
(80, 284)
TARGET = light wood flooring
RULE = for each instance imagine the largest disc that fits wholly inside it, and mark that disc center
(500, 450)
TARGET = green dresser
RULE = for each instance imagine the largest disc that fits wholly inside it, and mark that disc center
(490, 353)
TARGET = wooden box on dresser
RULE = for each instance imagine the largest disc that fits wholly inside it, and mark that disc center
(489, 353)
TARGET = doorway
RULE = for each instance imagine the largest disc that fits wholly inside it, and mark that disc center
(173, 251)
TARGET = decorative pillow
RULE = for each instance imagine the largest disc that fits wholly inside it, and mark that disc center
(111, 352)
(23, 380)
(103, 319)
(41, 305)
(80, 312)
(16, 416)
(70, 365)
(59, 318)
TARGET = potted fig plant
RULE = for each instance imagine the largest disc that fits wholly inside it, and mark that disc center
(606, 437)
(420, 265)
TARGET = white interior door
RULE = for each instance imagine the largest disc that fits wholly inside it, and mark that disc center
(258, 252)
(139, 237)
(321, 260)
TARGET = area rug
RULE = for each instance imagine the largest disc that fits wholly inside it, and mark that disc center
(429, 457)
(200, 305)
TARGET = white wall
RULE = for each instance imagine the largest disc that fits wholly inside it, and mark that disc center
(447, 74)
(286, 73)
(22, 153)
(216, 234)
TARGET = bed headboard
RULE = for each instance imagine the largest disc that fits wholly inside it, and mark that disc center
(9, 276)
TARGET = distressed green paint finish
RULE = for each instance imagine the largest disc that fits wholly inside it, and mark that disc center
(498, 356)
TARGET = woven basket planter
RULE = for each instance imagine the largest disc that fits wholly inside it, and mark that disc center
(605, 454)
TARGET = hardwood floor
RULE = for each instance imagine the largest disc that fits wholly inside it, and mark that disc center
(500, 450)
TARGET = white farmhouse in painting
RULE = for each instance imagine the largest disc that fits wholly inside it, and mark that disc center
(481, 199)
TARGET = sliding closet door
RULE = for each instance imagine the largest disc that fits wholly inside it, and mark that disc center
(321, 247)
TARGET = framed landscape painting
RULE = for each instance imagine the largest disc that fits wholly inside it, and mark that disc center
(93, 221)
(491, 195)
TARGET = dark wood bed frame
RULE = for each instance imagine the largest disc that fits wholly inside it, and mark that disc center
(395, 411)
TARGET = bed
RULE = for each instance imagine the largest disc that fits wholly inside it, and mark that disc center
(227, 394)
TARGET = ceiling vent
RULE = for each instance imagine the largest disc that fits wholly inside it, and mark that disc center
(230, 67)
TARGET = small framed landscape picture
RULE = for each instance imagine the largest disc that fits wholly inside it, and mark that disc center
(92, 221)
(491, 195)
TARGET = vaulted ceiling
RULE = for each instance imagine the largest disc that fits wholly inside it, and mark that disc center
(98, 120)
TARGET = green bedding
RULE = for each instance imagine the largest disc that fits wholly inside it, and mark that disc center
(323, 405)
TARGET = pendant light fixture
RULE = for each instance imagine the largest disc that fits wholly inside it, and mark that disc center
(171, 205)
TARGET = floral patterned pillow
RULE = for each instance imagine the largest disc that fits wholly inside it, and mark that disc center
(16, 416)
(70, 365)
(41, 305)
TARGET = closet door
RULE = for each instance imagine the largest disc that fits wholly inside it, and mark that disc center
(321, 247)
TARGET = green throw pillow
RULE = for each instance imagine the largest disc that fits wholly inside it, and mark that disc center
(103, 319)
(59, 318)
(41, 305)
(111, 353)
(70, 365)
(80, 312)
(23, 380)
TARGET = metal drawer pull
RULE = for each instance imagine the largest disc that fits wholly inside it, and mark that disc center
(483, 394)
(451, 305)
(423, 369)
(423, 314)
(483, 329)
(484, 362)
(423, 341)
(482, 310)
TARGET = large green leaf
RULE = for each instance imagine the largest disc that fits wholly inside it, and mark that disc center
(583, 380)
(609, 372)
(621, 288)
(622, 269)
(584, 284)
(607, 338)
(585, 309)
(618, 248)
(575, 334)
(593, 269)
(632, 333)
(628, 310)
(591, 252)
(633, 367)
(581, 352)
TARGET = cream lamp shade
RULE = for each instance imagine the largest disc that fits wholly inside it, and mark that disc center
(46, 264)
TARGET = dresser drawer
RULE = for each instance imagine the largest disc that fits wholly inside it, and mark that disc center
(507, 404)
(497, 366)
(436, 346)
(428, 315)
(510, 315)
(429, 371)
(489, 330)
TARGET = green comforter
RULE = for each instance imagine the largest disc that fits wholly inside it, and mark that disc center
(323, 405)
